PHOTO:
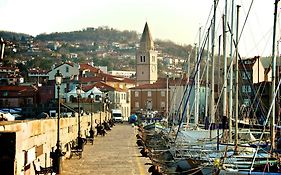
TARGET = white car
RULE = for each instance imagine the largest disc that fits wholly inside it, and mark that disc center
(7, 116)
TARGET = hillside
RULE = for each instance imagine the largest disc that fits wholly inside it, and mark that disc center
(102, 45)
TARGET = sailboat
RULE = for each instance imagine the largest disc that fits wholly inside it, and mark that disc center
(191, 154)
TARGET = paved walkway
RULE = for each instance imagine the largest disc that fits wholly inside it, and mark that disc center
(114, 154)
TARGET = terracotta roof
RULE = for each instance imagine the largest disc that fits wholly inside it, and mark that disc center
(18, 91)
(87, 87)
(17, 88)
(89, 79)
(91, 68)
(128, 80)
(159, 85)
(104, 87)
(106, 78)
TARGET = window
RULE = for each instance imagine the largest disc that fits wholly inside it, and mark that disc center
(66, 69)
(162, 104)
(153, 58)
(142, 59)
(136, 94)
(137, 105)
(247, 102)
(97, 98)
(163, 93)
(149, 93)
(246, 75)
(246, 88)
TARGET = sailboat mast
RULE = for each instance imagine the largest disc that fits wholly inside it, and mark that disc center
(213, 66)
(230, 110)
(188, 85)
(167, 96)
(207, 81)
(197, 85)
(225, 65)
(272, 119)
(236, 83)
(219, 83)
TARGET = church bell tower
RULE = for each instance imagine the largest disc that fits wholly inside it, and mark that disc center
(146, 59)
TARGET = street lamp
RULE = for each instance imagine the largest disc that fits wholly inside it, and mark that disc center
(101, 108)
(91, 129)
(79, 138)
(58, 153)
(106, 102)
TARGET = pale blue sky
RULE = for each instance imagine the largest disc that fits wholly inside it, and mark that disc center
(176, 20)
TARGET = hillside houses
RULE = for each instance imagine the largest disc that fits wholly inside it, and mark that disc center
(40, 87)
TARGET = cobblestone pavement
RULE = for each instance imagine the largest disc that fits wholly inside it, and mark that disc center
(114, 154)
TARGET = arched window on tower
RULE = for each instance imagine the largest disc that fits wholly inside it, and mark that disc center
(140, 58)
(143, 58)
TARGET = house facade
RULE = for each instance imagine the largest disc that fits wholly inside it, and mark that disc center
(252, 72)
(150, 97)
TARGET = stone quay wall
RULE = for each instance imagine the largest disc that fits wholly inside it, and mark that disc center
(33, 140)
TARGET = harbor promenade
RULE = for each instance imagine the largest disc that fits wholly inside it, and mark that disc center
(114, 154)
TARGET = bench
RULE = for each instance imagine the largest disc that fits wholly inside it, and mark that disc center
(77, 152)
(90, 140)
(75, 149)
(42, 170)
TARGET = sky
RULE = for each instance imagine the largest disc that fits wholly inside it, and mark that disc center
(175, 20)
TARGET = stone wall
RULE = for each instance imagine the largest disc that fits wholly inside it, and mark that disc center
(35, 139)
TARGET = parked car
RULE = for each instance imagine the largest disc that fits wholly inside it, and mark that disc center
(6, 116)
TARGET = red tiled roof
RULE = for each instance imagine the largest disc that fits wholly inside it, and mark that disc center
(91, 68)
(18, 91)
(106, 78)
(128, 80)
(87, 87)
(90, 79)
(159, 85)
(104, 87)
(17, 88)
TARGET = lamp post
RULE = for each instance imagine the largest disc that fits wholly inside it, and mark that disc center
(101, 108)
(58, 152)
(91, 129)
(79, 139)
(106, 102)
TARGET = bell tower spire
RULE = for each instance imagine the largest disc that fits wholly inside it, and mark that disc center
(146, 59)
(146, 41)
